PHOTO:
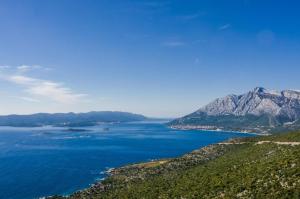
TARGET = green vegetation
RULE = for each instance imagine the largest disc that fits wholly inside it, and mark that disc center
(257, 167)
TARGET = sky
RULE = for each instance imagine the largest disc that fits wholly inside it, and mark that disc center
(160, 58)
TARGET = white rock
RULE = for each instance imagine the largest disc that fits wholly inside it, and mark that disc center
(257, 102)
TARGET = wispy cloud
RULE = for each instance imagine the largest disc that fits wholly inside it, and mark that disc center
(189, 17)
(36, 87)
(23, 68)
(174, 43)
(44, 88)
(200, 41)
(225, 26)
(3, 67)
(26, 68)
(29, 99)
(192, 16)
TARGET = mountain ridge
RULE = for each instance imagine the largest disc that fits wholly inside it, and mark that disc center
(259, 110)
(68, 119)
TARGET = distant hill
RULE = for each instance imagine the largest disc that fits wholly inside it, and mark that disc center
(256, 167)
(69, 119)
(259, 110)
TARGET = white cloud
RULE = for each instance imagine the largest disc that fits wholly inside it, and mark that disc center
(4, 67)
(23, 68)
(192, 16)
(44, 88)
(36, 87)
(26, 68)
(22, 80)
(225, 26)
(29, 99)
(174, 43)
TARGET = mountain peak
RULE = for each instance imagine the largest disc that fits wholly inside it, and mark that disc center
(262, 90)
(264, 107)
(259, 90)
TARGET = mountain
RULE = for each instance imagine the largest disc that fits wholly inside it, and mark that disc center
(69, 119)
(254, 167)
(260, 110)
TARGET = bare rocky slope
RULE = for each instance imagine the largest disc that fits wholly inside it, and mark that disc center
(259, 110)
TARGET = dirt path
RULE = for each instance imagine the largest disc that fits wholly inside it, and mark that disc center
(280, 143)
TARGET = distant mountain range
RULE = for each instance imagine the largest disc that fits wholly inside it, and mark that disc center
(69, 119)
(260, 110)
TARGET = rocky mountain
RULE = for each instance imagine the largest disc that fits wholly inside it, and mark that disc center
(69, 119)
(259, 110)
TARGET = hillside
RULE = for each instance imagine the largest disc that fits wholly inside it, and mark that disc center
(260, 110)
(69, 119)
(257, 167)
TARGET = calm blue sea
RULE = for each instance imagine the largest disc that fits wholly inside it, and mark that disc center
(36, 162)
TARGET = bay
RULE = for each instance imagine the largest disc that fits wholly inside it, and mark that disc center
(43, 161)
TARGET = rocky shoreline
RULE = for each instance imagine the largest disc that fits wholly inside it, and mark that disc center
(214, 171)
(118, 177)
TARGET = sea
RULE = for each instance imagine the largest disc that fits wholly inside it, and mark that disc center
(45, 161)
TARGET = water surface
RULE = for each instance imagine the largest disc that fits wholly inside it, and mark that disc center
(36, 162)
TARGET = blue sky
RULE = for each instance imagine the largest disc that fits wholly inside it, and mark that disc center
(158, 58)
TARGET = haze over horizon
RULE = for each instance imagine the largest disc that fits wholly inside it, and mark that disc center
(157, 58)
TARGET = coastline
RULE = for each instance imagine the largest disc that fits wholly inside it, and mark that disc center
(200, 128)
(107, 173)
(209, 152)
(202, 170)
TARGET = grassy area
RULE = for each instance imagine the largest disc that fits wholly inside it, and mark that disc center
(242, 169)
(150, 164)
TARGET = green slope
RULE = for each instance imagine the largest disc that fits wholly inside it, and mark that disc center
(241, 168)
